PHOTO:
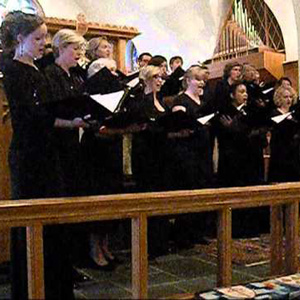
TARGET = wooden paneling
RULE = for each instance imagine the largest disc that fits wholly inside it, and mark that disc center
(291, 71)
(5, 136)
(269, 62)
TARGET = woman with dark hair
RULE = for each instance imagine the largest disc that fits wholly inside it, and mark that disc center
(231, 74)
(238, 142)
(33, 158)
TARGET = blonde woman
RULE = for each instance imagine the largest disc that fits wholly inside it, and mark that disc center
(98, 47)
(285, 136)
(65, 86)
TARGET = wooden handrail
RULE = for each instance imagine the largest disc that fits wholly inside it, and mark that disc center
(36, 213)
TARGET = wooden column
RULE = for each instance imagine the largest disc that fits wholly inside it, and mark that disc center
(291, 237)
(35, 262)
(224, 247)
(121, 54)
(5, 137)
(276, 238)
(139, 257)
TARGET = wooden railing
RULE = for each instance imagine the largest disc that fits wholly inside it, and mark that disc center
(34, 214)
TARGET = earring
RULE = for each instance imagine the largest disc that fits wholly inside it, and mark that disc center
(22, 50)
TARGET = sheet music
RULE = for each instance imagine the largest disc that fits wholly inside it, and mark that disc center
(205, 119)
(268, 90)
(109, 101)
(280, 118)
(132, 83)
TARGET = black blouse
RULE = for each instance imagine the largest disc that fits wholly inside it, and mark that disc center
(32, 157)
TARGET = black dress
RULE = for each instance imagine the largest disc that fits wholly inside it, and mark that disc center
(149, 146)
(65, 92)
(238, 148)
(239, 165)
(191, 156)
(150, 167)
(284, 160)
(33, 161)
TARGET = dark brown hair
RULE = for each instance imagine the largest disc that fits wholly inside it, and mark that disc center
(15, 23)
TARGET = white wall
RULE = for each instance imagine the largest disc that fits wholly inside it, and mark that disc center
(171, 27)
(67, 9)
(285, 15)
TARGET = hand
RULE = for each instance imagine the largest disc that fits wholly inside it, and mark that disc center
(260, 103)
(226, 120)
(79, 123)
(178, 108)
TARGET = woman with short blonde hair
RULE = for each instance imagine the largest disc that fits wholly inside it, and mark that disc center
(285, 137)
(65, 37)
(279, 96)
(99, 47)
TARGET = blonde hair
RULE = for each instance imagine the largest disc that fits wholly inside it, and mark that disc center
(100, 63)
(65, 37)
(278, 95)
(191, 73)
(148, 72)
(93, 45)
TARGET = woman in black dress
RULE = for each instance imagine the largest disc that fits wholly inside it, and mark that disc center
(191, 153)
(66, 88)
(149, 153)
(238, 142)
(285, 137)
(33, 157)
(148, 145)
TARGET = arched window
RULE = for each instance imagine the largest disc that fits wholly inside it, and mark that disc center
(28, 6)
(131, 56)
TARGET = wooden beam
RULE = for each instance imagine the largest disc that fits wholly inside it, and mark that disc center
(35, 262)
(121, 54)
(224, 247)
(276, 238)
(139, 257)
(291, 237)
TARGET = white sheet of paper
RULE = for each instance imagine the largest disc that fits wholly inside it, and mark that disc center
(268, 90)
(280, 118)
(132, 83)
(205, 119)
(109, 101)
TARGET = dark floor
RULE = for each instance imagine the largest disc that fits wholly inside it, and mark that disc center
(185, 271)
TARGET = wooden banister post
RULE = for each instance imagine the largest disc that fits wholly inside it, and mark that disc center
(224, 247)
(276, 219)
(35, 262)
(291, 237)
(139, 257)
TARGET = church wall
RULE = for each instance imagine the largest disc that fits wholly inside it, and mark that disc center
(287, 20)
(172, 27)
(66, 9)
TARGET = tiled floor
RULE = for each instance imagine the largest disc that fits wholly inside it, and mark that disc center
(182, 272)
